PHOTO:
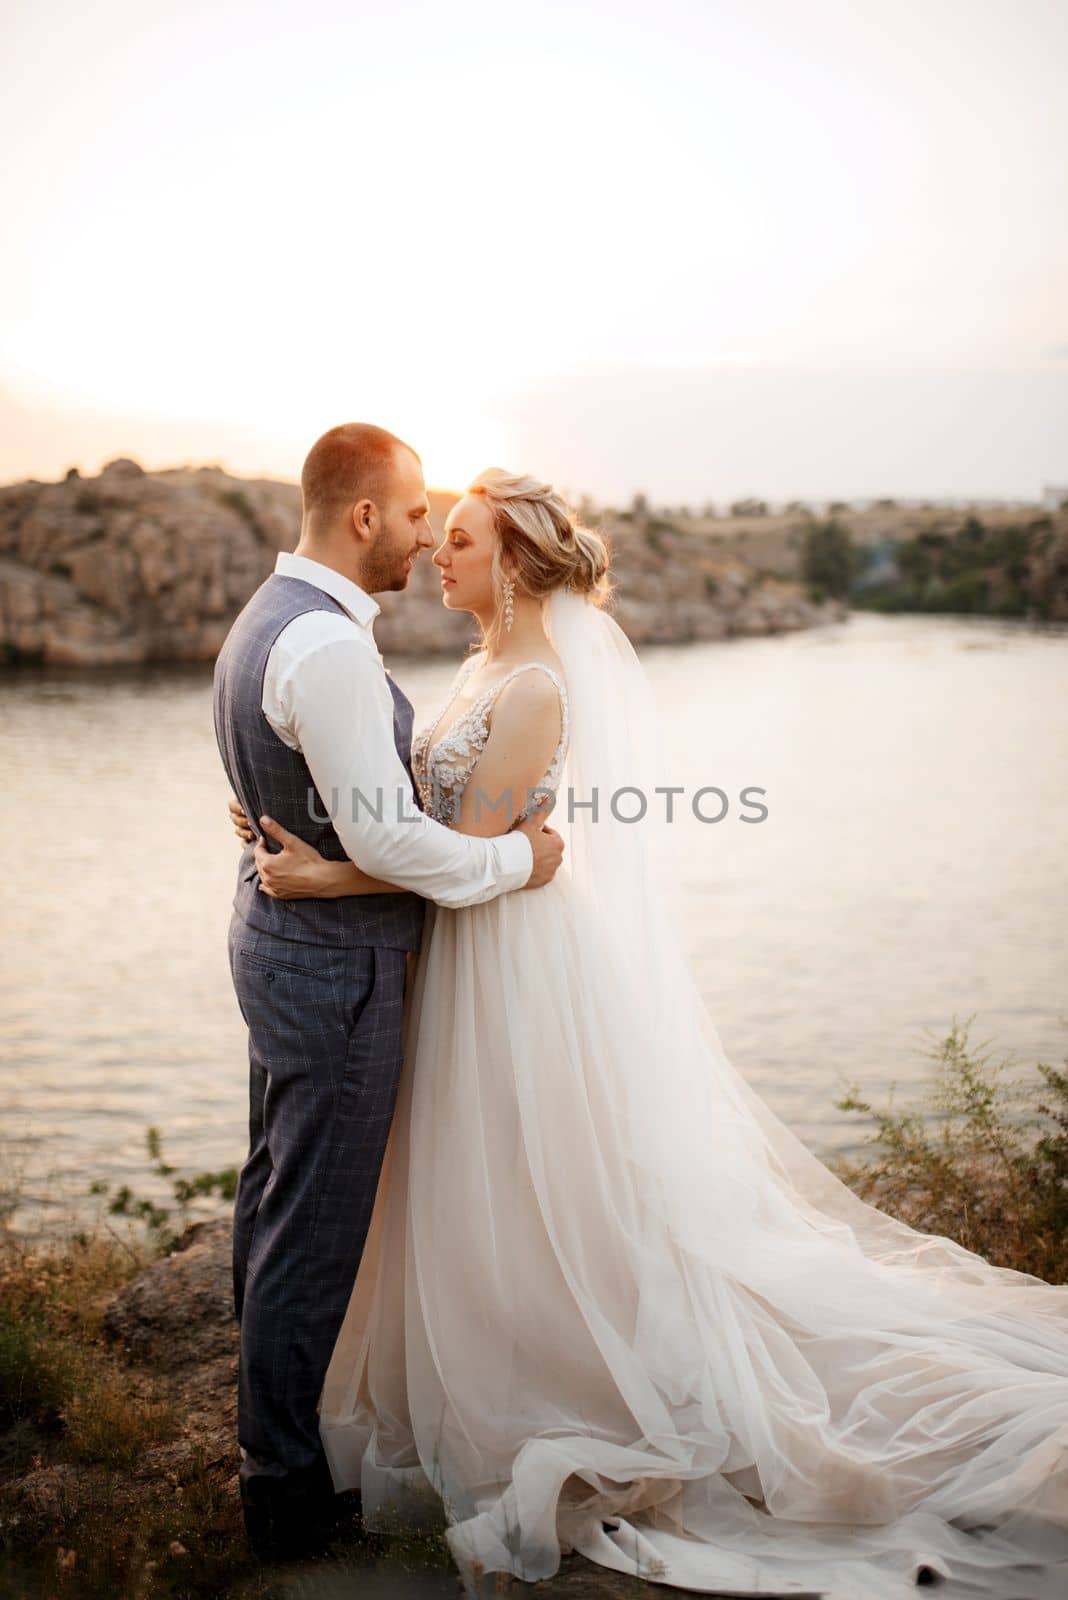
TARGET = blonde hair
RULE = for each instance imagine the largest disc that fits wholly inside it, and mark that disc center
(539, 543)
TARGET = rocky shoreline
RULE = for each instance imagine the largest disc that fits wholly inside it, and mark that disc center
(118, 1365)
(168, 1521)
(131, 567)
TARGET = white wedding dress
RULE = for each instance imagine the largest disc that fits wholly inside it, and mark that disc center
(609, 1303)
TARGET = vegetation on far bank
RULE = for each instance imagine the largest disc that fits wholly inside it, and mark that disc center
(884, 556)
(107, 1488)
(1017, 568)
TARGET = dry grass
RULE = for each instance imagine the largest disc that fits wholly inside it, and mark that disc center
(53, 1364)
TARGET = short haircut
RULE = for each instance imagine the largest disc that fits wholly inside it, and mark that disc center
(348, 463)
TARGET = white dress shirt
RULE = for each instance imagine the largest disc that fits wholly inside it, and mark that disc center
(325, 694)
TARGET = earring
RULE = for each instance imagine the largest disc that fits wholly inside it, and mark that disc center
(509, 603)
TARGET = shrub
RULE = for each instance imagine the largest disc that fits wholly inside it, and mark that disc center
(828, 559)
(989, 1170)
(157, 1219)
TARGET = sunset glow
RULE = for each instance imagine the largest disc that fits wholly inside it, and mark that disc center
(245, 226)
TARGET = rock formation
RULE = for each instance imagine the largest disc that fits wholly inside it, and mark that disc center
(134, 566)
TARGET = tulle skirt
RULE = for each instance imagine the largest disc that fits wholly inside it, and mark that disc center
(610, 1304)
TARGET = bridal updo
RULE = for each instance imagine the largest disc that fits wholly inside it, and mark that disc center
(539, 542)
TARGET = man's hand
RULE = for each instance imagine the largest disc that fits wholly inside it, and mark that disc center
(295, 872)
(546, 843)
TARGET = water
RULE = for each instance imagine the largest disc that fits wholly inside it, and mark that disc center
(913, 866)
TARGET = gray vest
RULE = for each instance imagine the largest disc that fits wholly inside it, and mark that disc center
(272, 780)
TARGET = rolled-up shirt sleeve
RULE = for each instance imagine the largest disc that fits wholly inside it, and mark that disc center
(338, 707)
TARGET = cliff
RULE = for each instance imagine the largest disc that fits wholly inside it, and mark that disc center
(134, 566)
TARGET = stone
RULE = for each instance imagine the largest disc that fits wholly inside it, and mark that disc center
(134, 566)
(180, 1310)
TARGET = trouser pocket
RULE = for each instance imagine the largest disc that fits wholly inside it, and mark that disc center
(374, 1019)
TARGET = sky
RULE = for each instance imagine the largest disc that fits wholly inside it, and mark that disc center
(791, 248)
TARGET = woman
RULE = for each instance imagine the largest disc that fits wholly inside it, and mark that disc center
(608, 1301)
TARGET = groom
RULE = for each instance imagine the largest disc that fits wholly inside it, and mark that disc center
(315, 734)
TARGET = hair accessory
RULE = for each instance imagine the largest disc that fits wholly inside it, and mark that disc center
(509, 602)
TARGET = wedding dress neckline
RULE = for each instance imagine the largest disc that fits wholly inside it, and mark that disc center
(485, 699)
(444, 760)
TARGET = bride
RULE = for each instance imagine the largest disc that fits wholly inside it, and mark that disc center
(608, 1302)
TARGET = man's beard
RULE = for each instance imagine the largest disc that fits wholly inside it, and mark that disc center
(386, 572)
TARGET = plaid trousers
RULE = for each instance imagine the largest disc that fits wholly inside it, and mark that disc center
(325, 1044)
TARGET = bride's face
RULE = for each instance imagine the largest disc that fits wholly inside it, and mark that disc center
(465, 556)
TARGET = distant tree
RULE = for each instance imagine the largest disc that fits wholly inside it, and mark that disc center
(749, 508)
(796, 508)
(837, 507)
(639, 506)
(885, 505)
(828, 557)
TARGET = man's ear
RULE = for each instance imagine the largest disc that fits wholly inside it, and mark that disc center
(365, 519)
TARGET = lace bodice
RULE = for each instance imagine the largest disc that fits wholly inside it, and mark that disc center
(442, 769)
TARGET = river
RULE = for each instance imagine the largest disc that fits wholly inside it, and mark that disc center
(913, 866)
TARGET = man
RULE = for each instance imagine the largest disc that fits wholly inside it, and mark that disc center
(314, 734)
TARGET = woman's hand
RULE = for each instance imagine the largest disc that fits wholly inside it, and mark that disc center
(240, 822)
(296, 872)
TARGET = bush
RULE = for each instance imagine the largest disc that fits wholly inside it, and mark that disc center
(969, 591)
(990, 1170)
(828, 559)
(157, 1219)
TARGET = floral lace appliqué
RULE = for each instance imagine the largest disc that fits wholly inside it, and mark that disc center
(442, 770)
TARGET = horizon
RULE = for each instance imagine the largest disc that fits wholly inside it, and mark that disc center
(697, 507)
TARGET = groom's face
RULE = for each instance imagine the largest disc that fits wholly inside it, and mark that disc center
(403, 526)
